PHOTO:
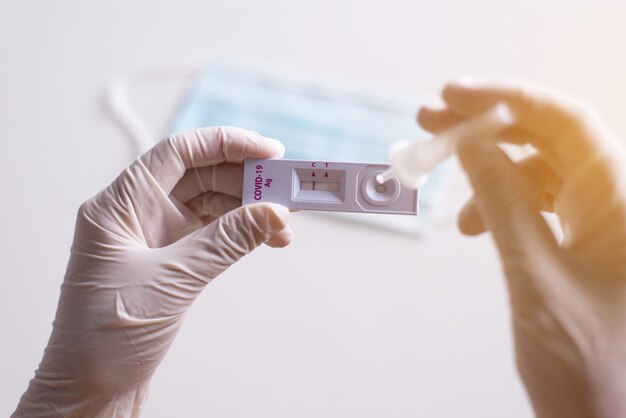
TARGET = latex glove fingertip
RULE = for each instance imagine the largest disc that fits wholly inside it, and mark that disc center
(281, 239)
(271, 217)
(278, 149)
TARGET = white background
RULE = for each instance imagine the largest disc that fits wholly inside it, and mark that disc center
(349, 320)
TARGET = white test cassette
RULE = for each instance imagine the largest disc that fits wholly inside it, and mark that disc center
(326, 186)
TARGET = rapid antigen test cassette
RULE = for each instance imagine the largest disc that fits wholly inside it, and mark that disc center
(326, 186)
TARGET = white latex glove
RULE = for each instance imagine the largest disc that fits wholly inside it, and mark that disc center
(144, 248)
(568, 299)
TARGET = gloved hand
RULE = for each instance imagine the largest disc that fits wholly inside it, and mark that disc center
(568, 299)
(144, 248)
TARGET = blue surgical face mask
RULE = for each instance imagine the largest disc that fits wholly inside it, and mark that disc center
(314, 120)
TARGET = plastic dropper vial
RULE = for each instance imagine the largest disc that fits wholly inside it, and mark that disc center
(411, 161)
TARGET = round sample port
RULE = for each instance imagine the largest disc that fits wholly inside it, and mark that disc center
(379, 194)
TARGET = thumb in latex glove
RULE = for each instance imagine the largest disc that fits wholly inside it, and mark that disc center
(568, 298)
(144, 248)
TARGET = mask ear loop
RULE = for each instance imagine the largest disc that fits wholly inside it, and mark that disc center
(126, 115)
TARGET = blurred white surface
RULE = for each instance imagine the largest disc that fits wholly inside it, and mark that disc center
(347, 321)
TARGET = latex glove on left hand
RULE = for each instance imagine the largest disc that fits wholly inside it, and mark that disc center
(144, 248)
